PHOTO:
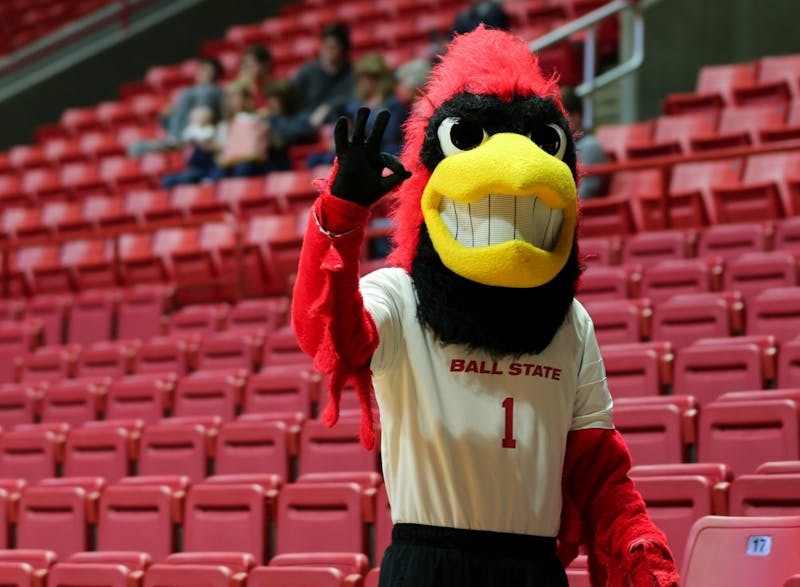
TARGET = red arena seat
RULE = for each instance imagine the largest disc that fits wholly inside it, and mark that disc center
(657, 245)
(675, 503)
(708, 370)
(775, 311)
(209, 393)
(747, 433)
(104, 452)
(174, 449)
(279, 388)
(765, 495)
(53, 518)
(324, 449)
(143, 397)
(620, 321)
(227, 518)
(164, 575)
(253, 447)
(729, 241)
(752, 273)
(138, 518)
(30, 454)
(684, 319)
(320, 517)
(730, 550)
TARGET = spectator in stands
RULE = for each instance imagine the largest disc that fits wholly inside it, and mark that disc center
(205, 92)
(488, 12)
(375, 89)
(587, 146)
(242, 137)
(201, 135)
(256, 70)
(326, 83)
(411, 78)
(288, 123)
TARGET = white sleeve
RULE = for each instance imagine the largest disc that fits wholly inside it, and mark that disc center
(383, 299)
(593, 407)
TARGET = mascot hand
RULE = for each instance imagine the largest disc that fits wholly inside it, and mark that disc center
(359, 174)
(648, 563)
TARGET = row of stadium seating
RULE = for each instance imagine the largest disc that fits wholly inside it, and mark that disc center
(25, 21)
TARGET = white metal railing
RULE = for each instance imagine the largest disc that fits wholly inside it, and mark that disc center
(588, 23)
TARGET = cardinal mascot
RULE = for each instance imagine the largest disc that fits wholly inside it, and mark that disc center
(499, 452)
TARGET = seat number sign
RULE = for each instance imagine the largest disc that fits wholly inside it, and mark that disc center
(759, 545)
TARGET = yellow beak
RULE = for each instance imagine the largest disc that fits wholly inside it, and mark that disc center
(525, 184)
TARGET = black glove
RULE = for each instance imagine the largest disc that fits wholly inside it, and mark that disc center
(360, 178)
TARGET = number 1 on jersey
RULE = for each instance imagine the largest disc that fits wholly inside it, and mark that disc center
(508, 440)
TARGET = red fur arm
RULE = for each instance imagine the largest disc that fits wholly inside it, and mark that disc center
(328, 313)
(623, 541)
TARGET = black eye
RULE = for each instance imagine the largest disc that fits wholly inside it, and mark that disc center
(551, 139)
(456, 135)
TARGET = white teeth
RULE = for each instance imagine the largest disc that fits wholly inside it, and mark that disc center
(499, 218)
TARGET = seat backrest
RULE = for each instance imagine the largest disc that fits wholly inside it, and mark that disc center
(174, 449)
(92, 317)
(29, 455)
(653, 433)
(632, 371)
(141, 310)
(729, 241)
(732, 550)
(72, 401)
(17, 405)
(320, 517)
(708, 370)
(603, 283)
(137, 518)
(775, 311)
(657, 245)
(765, 495)
(53, 518)
(675, 503)
(91, 575)
(684, 319)
(144, 397)
(752, 273)
(680, 127)
(747, 433)
(324, 449)
(163, 355)
(227, 518)
(278, 389)
(252, 447)
(100, 452)
(704, 174)
(296, 577)
(209, 393)
(750, 118)
(682, 276)
(724, 78)
(226, 350)
(164, 575)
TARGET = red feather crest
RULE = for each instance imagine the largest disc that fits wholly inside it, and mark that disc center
(485, 61)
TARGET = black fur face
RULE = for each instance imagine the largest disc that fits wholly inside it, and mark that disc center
(522, 116)
(501, 321)
(497, 320)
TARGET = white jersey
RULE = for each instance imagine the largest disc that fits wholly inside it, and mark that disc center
(469, 442)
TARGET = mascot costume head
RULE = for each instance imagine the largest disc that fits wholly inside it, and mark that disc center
(486, 224)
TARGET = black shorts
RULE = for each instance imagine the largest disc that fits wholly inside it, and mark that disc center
(430, 556)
